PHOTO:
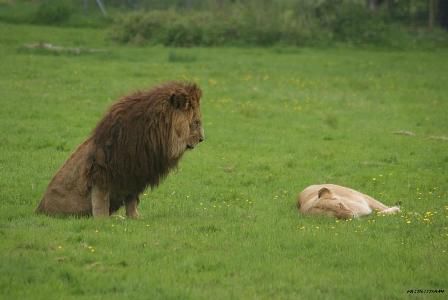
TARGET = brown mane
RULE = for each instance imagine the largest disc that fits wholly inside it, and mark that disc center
(131, 144)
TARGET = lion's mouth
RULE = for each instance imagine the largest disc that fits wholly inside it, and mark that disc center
(189, 146)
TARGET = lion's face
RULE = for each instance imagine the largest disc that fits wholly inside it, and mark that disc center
(187, 124)
(196, 132)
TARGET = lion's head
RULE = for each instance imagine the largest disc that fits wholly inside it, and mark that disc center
(143, 135)
(187, 130)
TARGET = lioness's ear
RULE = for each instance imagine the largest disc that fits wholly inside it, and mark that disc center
(179, 101)
(324, 193)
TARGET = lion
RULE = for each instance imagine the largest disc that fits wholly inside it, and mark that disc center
(135, 145)
(340, 202)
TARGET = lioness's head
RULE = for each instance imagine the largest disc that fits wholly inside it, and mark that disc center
(187, 129)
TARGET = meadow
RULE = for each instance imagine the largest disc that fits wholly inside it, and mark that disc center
(225, 225)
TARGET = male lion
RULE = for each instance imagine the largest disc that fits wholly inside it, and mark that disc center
(340, 202)
(135, 145)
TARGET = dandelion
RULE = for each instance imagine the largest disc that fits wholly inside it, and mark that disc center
(59, 247)
(408, 221)
(374, 179)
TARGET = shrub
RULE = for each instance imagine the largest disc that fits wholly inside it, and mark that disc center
(302, 24)
(172, 28)
(53, 12)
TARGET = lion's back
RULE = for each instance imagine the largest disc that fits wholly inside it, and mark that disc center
(67, 192)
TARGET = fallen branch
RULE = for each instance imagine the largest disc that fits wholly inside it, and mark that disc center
(404, 132)
(439, 138)
(59, 49)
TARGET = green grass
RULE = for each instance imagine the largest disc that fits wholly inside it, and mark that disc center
(225, 225)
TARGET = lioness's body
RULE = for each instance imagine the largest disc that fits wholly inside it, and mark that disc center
(338, 201)
(135, 145)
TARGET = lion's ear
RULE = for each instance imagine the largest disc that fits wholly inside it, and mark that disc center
(179, 101)
(324, 193)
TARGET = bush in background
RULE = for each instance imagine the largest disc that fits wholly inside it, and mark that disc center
(186, 23)
(236, 26)
(53, 12)
(268, 23)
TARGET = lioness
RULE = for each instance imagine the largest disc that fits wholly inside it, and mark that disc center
(135, 145)
(340, 202)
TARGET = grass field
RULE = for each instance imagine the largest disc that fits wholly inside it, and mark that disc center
(225, 224)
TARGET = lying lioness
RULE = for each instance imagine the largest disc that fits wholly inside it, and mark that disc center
(340, 202)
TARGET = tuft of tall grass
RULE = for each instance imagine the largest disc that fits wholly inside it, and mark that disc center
(177, 57)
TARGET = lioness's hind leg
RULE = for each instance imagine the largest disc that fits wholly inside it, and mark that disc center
(131, 208)
(391, 210)
(100, 202)
(375, 204)
(380, 207)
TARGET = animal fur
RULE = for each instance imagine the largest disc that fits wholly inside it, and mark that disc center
(340, 202)
(135, 145)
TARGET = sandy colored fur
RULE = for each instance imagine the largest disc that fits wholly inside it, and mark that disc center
(338, 201)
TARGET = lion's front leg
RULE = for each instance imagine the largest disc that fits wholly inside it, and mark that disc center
(100, 202)
(131, 208)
